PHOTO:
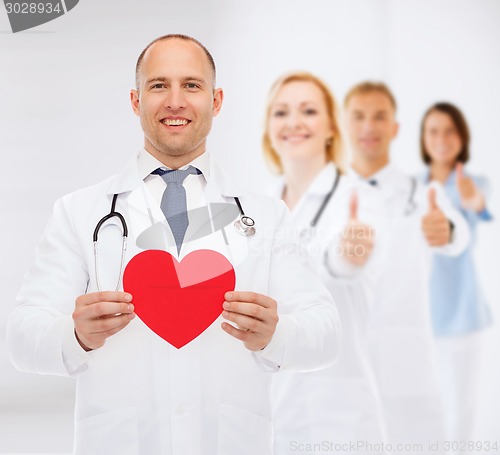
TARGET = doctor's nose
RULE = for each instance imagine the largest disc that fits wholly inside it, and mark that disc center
(293, 121)
(175, 99)
(368, 126)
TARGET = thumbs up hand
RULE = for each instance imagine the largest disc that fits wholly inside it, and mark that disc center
(435, 225)
(357, 238)
(470, 196)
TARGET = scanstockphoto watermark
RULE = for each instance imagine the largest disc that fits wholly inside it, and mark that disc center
(350, 242)
(365, 447)
(26, 15)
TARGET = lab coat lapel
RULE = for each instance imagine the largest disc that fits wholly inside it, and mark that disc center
(127, 180)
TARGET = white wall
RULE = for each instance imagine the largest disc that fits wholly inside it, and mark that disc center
(65, 120)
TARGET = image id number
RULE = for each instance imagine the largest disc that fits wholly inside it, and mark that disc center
(33, 8)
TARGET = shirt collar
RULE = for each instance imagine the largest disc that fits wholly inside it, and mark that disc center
(143, 163)
(147, 163)
(389, 175)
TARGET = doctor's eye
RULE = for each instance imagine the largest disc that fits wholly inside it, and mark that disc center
(279, 113)
(310, 111)
(192, 86)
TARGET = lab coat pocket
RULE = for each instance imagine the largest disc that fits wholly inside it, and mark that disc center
(243, 433)
(107, 433)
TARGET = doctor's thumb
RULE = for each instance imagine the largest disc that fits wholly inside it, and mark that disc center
(432, 199)
(353, 207)
(459, 170)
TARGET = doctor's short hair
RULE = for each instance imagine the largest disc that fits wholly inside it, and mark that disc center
(333, 148)
(174, 36)
(366, 87)
(460, 124)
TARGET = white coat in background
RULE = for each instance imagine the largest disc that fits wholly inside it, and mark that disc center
(137, 394)
(339, 404)
(401, 344)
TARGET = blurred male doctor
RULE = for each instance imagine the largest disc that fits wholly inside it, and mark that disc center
(421, 222)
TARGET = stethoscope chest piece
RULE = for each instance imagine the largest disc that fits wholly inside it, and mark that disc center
(245, 225)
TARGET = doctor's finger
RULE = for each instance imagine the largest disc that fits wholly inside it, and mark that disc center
(105, 309)
(236, 333)
(431, 234)
(438, 233)
(249, 309)
(104, 296)
(102, 326)
(435, 225)
(243, 321)
(438, 241)
(250, 297)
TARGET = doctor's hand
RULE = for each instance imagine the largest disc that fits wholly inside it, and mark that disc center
(470, 195)
(435, 225)
(99, 315)
(357, 239)
(256, 316)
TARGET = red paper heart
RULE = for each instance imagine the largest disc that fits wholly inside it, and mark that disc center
(178, 300)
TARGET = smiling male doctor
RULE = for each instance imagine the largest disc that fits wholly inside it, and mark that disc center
(136, 393)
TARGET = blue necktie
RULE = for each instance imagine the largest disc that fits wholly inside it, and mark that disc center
(173, 202)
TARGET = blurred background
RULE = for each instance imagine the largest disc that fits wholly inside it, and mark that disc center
(66, 122)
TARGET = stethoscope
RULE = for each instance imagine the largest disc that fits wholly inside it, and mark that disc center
(244, 225)
(307, 233)
(411, 205)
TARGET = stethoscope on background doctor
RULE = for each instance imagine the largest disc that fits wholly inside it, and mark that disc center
(244, 225)
(306, 234)
(411, 205)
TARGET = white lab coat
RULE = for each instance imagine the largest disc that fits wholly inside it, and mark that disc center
(339, 404)
(137, 394)
(400, 339)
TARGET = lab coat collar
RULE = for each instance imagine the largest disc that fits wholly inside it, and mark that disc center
(142, 164)
(321, 184)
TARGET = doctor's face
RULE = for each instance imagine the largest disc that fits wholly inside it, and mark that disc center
(441, 138)
(371, 125)
(175, 99)
(298, 124)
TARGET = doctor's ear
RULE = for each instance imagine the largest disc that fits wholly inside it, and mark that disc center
(396, 130)
(218, 97)
(134, 101)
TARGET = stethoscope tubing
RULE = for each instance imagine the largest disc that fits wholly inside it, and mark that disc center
(245, 226)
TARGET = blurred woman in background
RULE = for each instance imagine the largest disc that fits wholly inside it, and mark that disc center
(459, 311)
(335, 216)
